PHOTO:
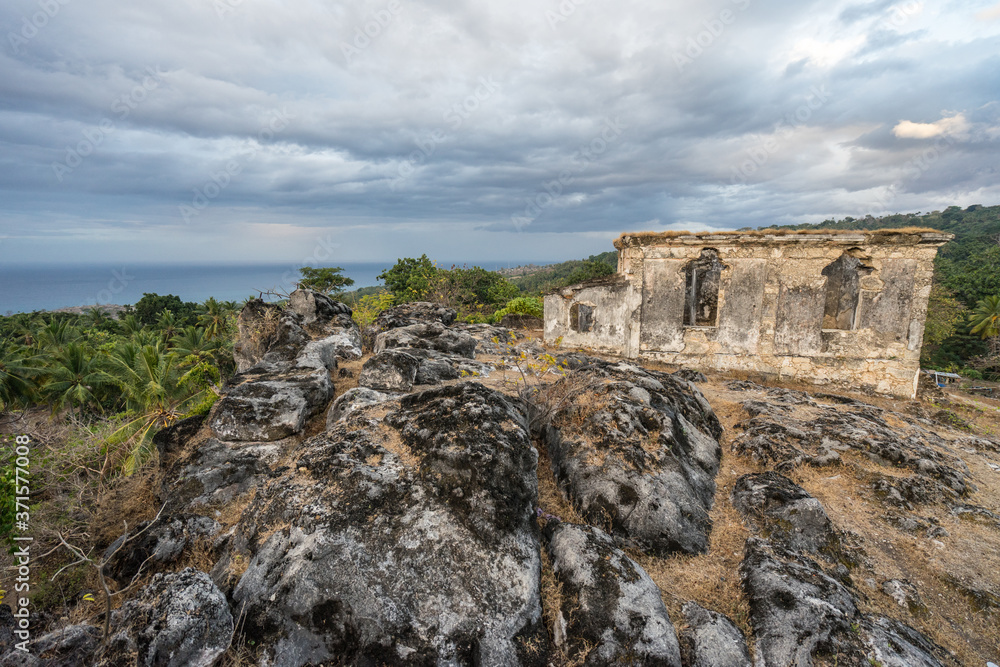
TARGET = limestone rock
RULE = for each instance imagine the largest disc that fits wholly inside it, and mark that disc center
(415, 312)
(178, 620)
(785, 512)
(636, 452)
(795, 608)
(427, 336)
(161, 544)
(352, 400)
(712, 640)
(392, 370)
(265, 406)
(215, 472)
(408, 539)
(266, 332)
(315, 306)
(174, 437)
(72, 646)
(609, 602)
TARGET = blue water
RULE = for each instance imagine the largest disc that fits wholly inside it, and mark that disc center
(28, 288)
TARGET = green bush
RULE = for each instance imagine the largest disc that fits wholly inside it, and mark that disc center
(971, 373)
(522, 305)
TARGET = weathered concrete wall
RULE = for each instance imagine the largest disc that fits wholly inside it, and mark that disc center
(773, 295)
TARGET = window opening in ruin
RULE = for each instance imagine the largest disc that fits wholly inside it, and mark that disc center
(843, 290)
(581, 317)
(701, 298)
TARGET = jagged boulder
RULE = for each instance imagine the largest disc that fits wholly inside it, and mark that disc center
(267, 332)
(785, 512)
(408, 539)
(313, 306)
(176, 436)
(796, 609)
(392, 370)
(427, 336)
(798, 612)
(178, 620)
(611, 611)
(72, 646)
(636, 451)
(160, 544)
(352, 400)
(710, 639)
(265, 406)
(215, 472)
(415, 312)
(779, 436)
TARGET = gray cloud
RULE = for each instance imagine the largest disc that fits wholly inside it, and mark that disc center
(153, 128)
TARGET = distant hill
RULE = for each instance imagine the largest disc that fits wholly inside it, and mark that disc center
(546, 278)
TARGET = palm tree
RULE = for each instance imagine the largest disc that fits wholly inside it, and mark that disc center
(57, 333)
(214, 316)
(155, 396)
(167, 324)
(95, 316)
(192, 342)
(130, 325)
(985, 320)
(73, 376)
(17, 374)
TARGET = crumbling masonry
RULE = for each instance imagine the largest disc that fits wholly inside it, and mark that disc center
(829, 307)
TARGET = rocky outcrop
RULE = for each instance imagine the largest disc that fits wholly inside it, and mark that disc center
(327, 320)
(72, 646)
(418, 547)
(710, 639)
(785, 513)
(215, 472)
(611, 610)
(287, 384)
(352, 400)
(636, 451)
(415, 312)
(427, 336)
(391, 370)
(179, 620)
(161, 544)
(776, 435)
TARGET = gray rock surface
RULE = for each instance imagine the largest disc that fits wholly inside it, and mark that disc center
(161, 544)
(266, 332)
(710, 639)
(427, 336)
(178, 620)
(391, 370)
(215, 472)
(415, 312)
(635, 451)
(314, 306)
(352, 400)
(612, 612)
(418, 547)
(72, 646)
(796, 609)
(786, 513)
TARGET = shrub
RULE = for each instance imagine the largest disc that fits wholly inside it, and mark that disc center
(522, 305)
(368, 307)
(971, 373)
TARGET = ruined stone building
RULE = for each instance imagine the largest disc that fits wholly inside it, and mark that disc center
(839, 307)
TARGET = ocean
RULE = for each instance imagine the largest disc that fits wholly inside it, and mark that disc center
(27, 288)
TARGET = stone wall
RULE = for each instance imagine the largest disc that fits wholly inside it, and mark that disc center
(776, 293)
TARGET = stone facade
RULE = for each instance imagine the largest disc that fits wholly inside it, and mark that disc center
(830, 307)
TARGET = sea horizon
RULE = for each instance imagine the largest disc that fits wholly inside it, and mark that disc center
(26, 288)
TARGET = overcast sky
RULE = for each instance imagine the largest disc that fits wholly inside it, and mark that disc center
(257, 130)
